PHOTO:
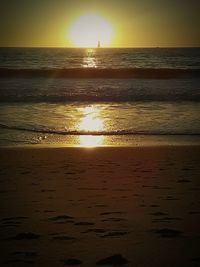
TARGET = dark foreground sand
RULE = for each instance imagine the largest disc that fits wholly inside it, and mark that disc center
(79, 206)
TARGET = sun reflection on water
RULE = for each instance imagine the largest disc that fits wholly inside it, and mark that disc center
(91, 122)
(91, 140)
(89, 61)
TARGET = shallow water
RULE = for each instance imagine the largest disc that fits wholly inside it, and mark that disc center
(109, 123)
(56, 110)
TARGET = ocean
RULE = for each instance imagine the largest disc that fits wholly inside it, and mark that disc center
(99, 97)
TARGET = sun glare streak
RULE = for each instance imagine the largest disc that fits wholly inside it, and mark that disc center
(89, 61)
(91, 122)
(90, 141)
(89, 29)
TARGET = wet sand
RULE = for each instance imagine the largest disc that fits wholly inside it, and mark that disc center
(100, 207)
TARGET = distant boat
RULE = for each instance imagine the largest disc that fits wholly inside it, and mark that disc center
(99, 44)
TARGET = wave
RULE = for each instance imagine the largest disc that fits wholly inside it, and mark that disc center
(86, 73)
(100, 99)
(96, 133)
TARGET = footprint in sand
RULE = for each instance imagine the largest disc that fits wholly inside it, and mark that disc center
(25, 236)
(114, 260)
(183, 181)
(114, 220)
(61, 219)
(95, 230)
(167, 233)
(111, 212)
(83, 223)
(114, 234)
(166, 219)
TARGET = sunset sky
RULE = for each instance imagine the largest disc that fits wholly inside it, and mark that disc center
(134, 23)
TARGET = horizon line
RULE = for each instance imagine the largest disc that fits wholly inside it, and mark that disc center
(118, 47)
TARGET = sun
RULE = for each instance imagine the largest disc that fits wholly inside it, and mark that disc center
(88, 30)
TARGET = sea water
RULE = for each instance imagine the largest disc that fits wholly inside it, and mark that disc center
(107, 110)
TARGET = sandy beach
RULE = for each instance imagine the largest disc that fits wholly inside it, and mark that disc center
(102, 206)
(100, 133)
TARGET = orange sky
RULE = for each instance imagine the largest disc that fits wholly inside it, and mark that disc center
(139, 23)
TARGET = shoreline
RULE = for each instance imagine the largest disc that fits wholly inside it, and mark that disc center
(71, 146)
(139, 145)
(95, 141)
